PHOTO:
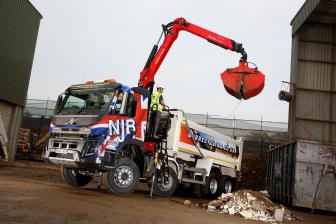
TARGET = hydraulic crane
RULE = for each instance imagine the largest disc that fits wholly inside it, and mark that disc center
(241, 82)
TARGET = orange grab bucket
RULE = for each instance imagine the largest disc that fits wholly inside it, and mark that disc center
(243, 82)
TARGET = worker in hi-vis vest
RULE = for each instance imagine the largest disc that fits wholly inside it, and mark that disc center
(156, 107)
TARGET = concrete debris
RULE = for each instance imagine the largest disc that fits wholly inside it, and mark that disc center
(264, 192)
(250, 205)
(278, 215)
(187, 202)
(198, 204)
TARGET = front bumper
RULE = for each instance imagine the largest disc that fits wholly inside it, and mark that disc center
(80, 153)
(65, 151)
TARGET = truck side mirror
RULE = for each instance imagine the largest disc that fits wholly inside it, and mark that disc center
(59, 102)
(141, 91)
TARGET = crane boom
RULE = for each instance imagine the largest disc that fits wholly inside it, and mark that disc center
(171, 31)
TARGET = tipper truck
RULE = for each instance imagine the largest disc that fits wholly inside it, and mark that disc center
(102, 129)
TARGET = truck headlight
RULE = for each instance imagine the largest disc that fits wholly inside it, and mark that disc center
(112, 145)
(86, 131)
(98, 160)
(56, 130)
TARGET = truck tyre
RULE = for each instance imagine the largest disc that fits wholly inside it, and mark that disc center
(165, 190)
(74, 178)
(123, 178)
(212, 187)
(226, 184)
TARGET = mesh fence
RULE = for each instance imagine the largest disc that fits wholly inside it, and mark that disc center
(258, 132)
(38, 108)
(250, 129)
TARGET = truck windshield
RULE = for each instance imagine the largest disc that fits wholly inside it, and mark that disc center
(85, 101)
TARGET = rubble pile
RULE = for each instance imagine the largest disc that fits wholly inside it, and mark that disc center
(251, 205)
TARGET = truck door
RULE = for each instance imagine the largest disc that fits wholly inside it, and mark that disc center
(125, 104)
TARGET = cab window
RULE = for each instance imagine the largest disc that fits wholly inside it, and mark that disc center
(125, 104)
(130, 110)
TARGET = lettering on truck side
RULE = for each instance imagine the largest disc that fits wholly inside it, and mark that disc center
(122, 128)
(213, 143)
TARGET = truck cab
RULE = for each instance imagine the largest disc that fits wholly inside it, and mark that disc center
(92, 122)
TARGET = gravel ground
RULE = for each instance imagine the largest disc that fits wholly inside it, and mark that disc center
(33, 192)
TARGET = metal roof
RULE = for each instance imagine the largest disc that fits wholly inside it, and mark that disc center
(34, 8)
(315, 12)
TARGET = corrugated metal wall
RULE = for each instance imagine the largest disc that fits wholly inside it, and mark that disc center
(313, 110)
(19, 24)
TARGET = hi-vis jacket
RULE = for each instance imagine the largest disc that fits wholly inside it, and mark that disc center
(155, 103)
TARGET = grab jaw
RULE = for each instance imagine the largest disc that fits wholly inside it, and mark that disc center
(243, 82)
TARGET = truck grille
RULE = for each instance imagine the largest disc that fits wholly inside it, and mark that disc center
(61, 156)
(70, 129)
(65, 145)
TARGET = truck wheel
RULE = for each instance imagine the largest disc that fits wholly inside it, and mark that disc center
(227, 184)
(123, 178)
(212, 187)
(165, 190)
(74, 178)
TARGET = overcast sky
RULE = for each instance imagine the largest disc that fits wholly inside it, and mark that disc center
(93, 40)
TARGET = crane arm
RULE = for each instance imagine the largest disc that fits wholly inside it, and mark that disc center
(171, 31)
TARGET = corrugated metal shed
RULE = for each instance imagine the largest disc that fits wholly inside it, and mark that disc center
(19, 24)
(312, 113)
